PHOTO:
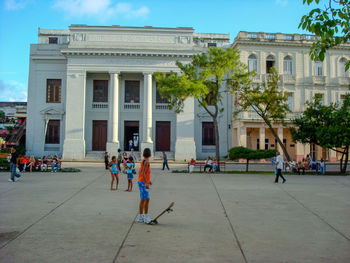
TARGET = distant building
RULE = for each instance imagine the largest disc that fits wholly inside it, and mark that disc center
(301, 77)
(14, 110)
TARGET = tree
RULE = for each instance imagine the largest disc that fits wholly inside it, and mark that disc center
(331, 25)
(249, 154)
(267, 101)
(326, 126)
(204, 79)
(2, 115)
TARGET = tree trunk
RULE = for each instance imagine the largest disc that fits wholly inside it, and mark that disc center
(278, 140)
(346, 155)
(217, 145)
(246, 165)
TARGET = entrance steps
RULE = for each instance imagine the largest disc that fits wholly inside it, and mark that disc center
(98, 155)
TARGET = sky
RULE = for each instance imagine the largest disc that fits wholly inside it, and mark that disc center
(20, 20)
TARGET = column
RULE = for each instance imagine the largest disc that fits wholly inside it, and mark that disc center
(242, 136)
(185, 146)
(147, 113)
(113, 118)
(332, 156)
(262, 138)
(74, 142)
(299, 151)
(280, 135)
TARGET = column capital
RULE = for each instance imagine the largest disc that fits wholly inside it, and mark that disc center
(114, 72)
(146, 73)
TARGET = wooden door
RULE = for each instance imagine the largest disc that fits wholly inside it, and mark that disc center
(99, 135)
(163, 135)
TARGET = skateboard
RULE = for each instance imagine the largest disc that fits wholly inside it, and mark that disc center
(168, 209)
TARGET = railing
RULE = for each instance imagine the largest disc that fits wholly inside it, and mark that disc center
(162, 106)
(131, 106)
(319, 80)
(344, 81)
(288, 78)
(100, 105)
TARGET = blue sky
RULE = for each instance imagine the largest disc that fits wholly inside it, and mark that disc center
(20, 20)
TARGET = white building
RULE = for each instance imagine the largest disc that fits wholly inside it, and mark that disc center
(91, 89)
(301, 78)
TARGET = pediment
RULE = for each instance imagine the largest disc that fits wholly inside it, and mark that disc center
(52, 111)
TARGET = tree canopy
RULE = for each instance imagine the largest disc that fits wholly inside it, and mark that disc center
(330, 24)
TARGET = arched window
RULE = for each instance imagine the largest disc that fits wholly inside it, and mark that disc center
(270, 62)
(252, 63)
(287, 65)
(342, 65)
(319, 68)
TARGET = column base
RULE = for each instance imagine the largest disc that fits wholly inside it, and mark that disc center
(185, 149)
(145, 145)
(112, 148)
(73, 150)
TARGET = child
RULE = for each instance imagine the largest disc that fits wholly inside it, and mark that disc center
(323, 166)
(130, 166)
(215, 165)
(113, 168)
(144, 183)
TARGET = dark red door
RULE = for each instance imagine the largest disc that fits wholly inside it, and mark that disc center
(99, 135)
(163, 135)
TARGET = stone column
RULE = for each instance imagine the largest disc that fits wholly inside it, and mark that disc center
(74, 139)
(113, 119)
(147, 113)
(185, 146)
(332, 156)
(262, 138)
(299, 151)
(280, 135)
(242, 136)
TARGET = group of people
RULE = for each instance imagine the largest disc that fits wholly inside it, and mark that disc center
(144, 177)
(22, 163)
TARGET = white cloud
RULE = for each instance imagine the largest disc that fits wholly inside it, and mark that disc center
(101, 9)
(12, 91)
(282, 2)
(15, 5)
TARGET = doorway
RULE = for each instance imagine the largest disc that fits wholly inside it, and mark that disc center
(163, 135)
(99, 135)
(131, 135)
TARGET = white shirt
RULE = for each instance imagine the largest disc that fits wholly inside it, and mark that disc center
(279, 162)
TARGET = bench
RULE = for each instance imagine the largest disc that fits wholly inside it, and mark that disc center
(221, 165)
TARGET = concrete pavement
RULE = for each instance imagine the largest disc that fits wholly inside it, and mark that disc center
(74, 217)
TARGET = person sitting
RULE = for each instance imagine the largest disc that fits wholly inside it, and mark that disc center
(23, 163)
(43, 166)
(31, 163)
(215, 165)
(301, 167)
(322, 166)
(55, 166)
(208, 164)
(191, 165)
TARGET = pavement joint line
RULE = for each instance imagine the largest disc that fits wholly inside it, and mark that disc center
(315, 214)
(48, 213)
(229, 221)
(127, 233)
(347, 185)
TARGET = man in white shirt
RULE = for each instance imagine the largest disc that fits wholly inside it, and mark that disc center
(279, 167)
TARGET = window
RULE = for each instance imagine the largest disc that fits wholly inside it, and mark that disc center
(132, 91)
(320, 97)
(290, 100)
(252, 36)
(53, 40)
(288, 37)
(318, 68)
(100, 91)
(342, 67)
(270, 36)
(342, 98)
(258, 144)
(270, 62)
(252, 63)
(53, 90)
(287, 65)
(266, 144)
(159, 98)
(53, 132)
(211, 44)
(208, 137)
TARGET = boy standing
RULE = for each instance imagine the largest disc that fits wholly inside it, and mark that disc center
(144, 182)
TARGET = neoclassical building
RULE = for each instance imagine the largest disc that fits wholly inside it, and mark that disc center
(301, 78)
(91, 89)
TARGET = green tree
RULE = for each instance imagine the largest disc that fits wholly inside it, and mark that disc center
(249, 154)
(205, 79)
(267, 101)
(326, 126)
(2, 115)
(331, 25)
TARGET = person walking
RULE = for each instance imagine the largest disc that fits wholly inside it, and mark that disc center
(279, 167)
(106, 157)
(165, 161)
(13, 165)
(132, 155)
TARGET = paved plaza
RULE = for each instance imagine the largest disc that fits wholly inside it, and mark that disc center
(74, 217)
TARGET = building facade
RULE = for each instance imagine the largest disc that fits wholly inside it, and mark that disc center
(302, 79)
(91, 89)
